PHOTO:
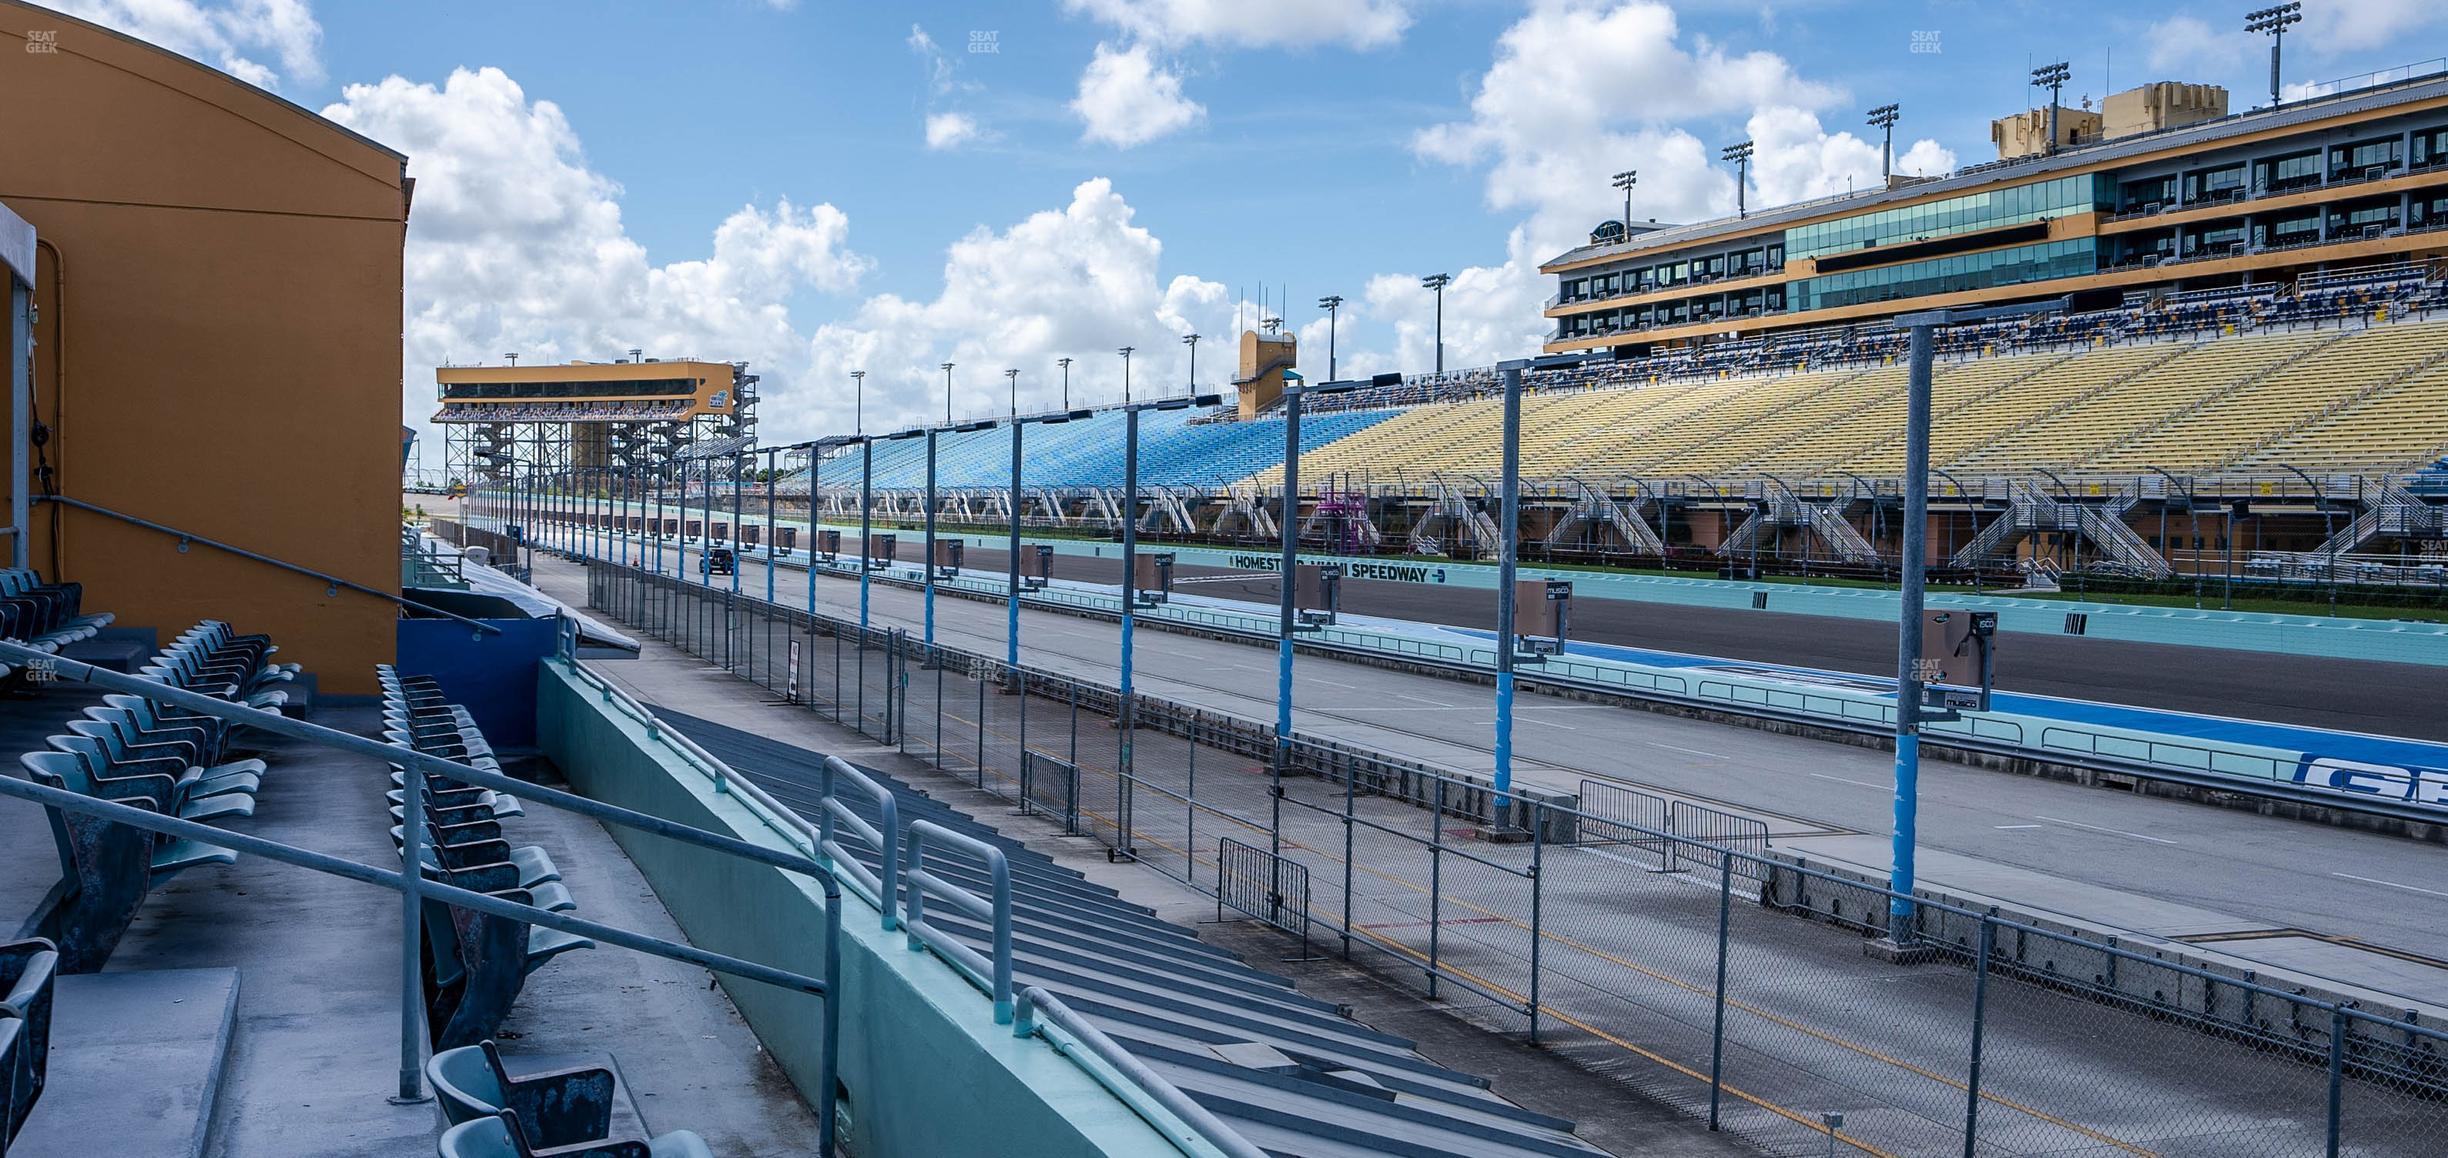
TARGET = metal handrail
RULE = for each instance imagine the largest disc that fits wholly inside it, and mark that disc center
(1202, 1125)
(886, 837)
(996, 912)
(186, 537)
(1199, 1124)
(415, 764)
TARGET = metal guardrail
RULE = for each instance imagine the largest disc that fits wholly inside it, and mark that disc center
(331, 581)
(995, 911)
(1125, 1076)
(413, 886)
(883, 887)
(1202, 1126)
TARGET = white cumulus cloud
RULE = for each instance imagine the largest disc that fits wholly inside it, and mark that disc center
(1079, 282)
(1579, 90)
(1126, 99)
(1254, 23)
(515, 244)
(948, 130)
(234, 36)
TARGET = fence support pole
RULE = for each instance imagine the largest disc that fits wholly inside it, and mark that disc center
(1538, 858)
(412, 939)
(1436, 883)
(2337, 1076)
(1980, 1017)
(1725, 920)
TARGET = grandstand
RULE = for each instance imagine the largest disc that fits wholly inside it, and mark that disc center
(2239, 396)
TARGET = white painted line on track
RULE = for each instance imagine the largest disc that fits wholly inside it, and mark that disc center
(1329, 683)
(2013, 826)
(1420, 700)
(2390, 884)
(1691, 751)
(1858, 783)
(1548, 723)
(2109, 831)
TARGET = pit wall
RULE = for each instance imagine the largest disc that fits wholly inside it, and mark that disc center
(925, 1069)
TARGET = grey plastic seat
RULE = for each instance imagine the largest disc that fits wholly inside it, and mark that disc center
(498, 1137)
(28, 970)
(555, 1107)
(65, 771)
(163, 783)
(199, 781)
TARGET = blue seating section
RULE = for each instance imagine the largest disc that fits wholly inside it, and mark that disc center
(492, 1113)
(1174, 450)
(28, 973)
(475, 963)
(140, 752)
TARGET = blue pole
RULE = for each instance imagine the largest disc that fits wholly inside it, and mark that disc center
(1290, 533)
(1011, 610)
(815, 472)
(739, 513)
(866, 524)
(1908, 634)
(773, 483)
(930, 538)
(1130, 577)
(1510, 498)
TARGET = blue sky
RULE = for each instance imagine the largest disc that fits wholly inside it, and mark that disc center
(758, 179)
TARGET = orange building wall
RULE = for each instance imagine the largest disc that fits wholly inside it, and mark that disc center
(230, 325)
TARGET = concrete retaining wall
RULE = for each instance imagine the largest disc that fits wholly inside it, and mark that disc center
(925, 1069)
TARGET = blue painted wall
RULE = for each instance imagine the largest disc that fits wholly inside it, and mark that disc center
(494, 675)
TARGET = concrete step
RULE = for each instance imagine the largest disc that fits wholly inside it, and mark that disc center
(136, 1062)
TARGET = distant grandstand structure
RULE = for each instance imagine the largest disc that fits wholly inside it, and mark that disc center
(2161, 194)
(586, 417)
(2287, 430)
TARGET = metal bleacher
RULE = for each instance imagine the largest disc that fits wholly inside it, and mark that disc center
(2123, 408)
(1288, 1072)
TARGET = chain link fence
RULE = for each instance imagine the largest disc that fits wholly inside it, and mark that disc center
(1657, 940)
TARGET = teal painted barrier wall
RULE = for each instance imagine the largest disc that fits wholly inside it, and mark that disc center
(2388, 640)
(927, 1070)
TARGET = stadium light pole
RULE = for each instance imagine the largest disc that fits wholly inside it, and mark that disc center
(1333, 305)
(1126, 353)
(858, 406)
(2274, 21)
(2052, 77)
(1192, 340)
(1437, 282)
(947, 369)
(1922, 327)
(1883, 118)
(1065, 363)
(1740, 153)
(1625, 181)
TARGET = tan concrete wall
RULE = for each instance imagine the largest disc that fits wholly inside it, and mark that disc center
(220, 340)
(2165, 104)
